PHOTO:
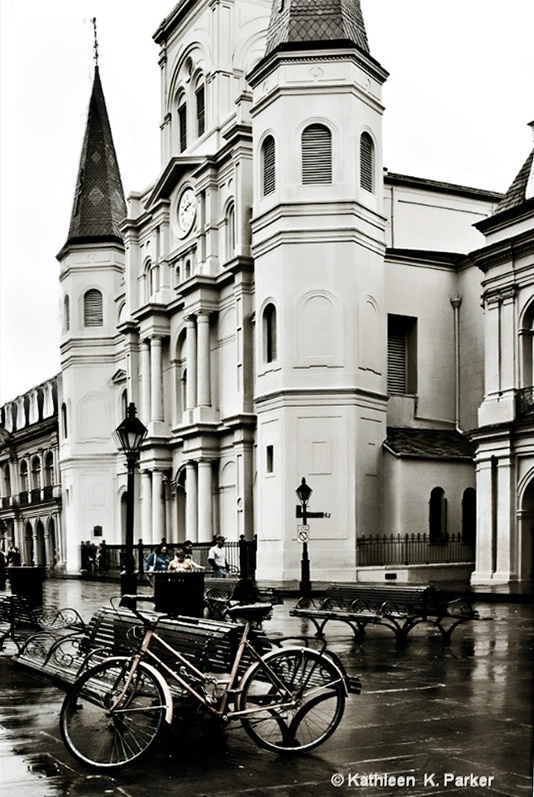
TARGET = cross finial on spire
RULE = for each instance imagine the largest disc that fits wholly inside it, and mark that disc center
(95, 41)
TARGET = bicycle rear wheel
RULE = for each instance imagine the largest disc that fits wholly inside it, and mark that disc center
(296, 698)
(107, 729)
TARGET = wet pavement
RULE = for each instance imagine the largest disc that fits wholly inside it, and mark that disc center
(430, 720)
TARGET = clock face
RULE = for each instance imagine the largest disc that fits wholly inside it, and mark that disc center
(187, 208)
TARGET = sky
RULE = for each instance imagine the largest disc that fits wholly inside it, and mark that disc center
(458, 101)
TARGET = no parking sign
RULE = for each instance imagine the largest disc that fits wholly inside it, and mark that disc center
(303, 533)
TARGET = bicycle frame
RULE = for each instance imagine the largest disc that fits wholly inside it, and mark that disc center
(221, 710)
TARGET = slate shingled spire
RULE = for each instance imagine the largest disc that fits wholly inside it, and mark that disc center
(297, 23)
(99, 205)
(522, 187)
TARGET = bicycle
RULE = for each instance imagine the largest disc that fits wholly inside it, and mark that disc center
(289, 700)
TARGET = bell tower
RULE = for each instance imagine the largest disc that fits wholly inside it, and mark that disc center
(318, 244)
(92, 391)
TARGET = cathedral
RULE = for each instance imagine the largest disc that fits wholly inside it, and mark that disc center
(279, 306)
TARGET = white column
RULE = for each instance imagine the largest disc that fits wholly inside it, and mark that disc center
(156, 380)
(205, 501)
(484, 539)
(145, 413)
(158, 507)
(492, 353)
(508, 341)
(191, 502)
(203, 362)
(191, 357)
(506, 523)
(146, 507)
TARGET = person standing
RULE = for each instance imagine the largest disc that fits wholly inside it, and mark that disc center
(158, 560)
(217, 558)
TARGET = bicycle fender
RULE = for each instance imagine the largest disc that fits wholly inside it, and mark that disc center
(166, 689)
(296, 649)
(159, 678)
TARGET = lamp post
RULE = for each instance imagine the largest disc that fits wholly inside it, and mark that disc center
(129, 436)
(303, 493)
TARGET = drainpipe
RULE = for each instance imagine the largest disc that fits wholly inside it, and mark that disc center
(456, 302)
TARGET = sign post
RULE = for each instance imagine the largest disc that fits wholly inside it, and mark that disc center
(303, 532)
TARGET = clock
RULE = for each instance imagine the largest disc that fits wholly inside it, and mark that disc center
(187, 209)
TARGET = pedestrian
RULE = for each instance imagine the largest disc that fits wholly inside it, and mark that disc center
(180, 564)
(2, 569)
(13, 557)
(102, 556)
(188, 550)
(158, 560)
(217, 558)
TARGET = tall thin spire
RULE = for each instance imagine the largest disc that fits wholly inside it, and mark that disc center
(95, 42)
(99, 206)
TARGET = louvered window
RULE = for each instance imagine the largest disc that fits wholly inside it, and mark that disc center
(402, 355)
(367, 155)
(201, 110)
(316, 155)
(269, 166)
(182, 124)
(92, 309)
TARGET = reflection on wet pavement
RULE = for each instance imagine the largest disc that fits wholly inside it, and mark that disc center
(433, 720)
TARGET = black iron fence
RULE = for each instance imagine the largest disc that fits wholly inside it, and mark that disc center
(413, 549)
(240, 555)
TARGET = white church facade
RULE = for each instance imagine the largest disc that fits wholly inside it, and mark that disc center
(278, 305)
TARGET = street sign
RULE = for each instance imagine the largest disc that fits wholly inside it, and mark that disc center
(303, 533)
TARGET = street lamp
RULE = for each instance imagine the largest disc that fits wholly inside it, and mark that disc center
(304, 492)
(129, 436)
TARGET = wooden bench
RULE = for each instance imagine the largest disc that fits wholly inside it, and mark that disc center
(209, 644)
(19, 618)
(399, 608)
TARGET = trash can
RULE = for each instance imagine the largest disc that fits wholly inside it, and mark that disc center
(27, 582)
(179, 593)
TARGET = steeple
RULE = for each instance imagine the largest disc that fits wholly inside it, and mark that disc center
(312, 23)
(99, 205)
(522, 187)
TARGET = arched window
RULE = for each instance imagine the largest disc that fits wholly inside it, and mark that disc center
(64, 421)
(7, 479)
(268, 160)
(93, 315)
(367, 162)
(469, 516)
(182, 124)
(200, 101)
(66, 313)
(36, 473)
(316, 154)
(23, 476)
(269, 333)
(230, 232)
(124, 404)
(49, 470)
(153, 278)
(437, 515)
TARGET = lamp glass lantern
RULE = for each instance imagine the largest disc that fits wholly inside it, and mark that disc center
(304, 492)
(129, 434)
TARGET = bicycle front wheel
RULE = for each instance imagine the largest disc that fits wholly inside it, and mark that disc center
(295, 699)
(107, 722)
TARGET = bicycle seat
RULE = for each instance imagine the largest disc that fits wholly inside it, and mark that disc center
(250, 611)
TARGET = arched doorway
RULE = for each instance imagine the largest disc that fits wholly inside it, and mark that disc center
(27, 546)
(52, 554)
(525, 553)
(40, 550)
